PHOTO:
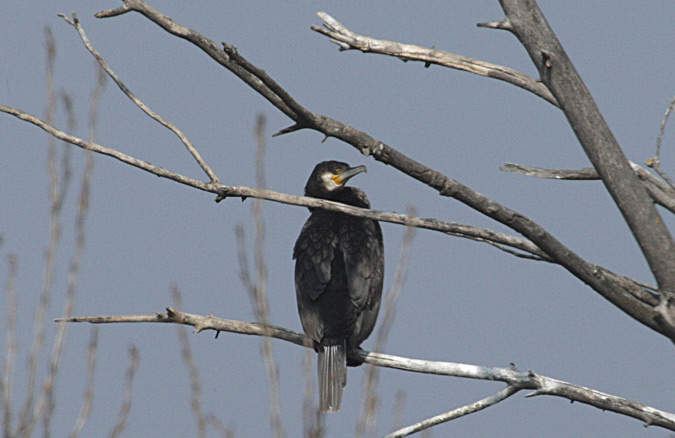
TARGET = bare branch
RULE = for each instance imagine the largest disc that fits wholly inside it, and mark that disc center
(657, 319)
(587, 173)
(598, 142)
(660, 192)
(223, 191)
(370, 399)
(104, 65)
(7, 377)
(522, 380)
(502, 25)
(88, 399)
(348, 40)
(123, 415)
(456, 413)
(655, 162)
(193, 371)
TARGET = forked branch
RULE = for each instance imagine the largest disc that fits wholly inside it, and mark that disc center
(557, 72)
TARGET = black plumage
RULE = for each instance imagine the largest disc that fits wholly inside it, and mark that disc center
(339, 271)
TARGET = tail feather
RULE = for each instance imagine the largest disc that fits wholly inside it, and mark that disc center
(332, 369)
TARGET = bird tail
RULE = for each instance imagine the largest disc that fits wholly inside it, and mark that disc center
(332, 369)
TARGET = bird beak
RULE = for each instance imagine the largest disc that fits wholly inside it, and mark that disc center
(344, 176)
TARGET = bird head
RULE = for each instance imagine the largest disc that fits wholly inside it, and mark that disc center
(329, 177)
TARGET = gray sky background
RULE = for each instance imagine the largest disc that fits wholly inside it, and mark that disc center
(463, 302)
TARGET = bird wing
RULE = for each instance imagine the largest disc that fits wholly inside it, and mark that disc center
(314, 252)
(361, 247)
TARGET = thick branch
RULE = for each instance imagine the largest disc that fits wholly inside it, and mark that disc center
(522, 380)
(558, 73)
(348, 40)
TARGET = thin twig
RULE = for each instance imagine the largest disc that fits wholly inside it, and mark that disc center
(125, 408)
(313, 420)
(397, 410)
(655, 162)
(456, 413)
(542, 385)
(7, 378)
(57, 191)
(46, 405)
(260, 288)
(88, 398)
(215, 422)
(370, 401)
(258, 296)
(188, 359)
(659, 191)
(153, 115)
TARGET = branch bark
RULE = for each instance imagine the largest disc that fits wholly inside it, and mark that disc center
(223, 191)
(557, 72)
(348, 40)
(520, 247)
(658, 190)
(518, 380)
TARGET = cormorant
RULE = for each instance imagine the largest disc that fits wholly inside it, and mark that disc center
(339, 270)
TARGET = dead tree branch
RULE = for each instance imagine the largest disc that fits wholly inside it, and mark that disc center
(557, 72)
(655, 162)
(348, 40)
(224, 191)
(541, 385)
(456, 413)
(658, 190)
(503, 241)
(153, 115)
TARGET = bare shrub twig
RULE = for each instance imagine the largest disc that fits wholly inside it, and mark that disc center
(125, 408)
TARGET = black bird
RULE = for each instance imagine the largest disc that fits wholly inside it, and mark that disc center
(339, 269)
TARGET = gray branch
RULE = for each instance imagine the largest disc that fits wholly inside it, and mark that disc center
(522, 246)
(658, 190)
(518, 380)
(456, 413)
(348, 40)
(557, 72)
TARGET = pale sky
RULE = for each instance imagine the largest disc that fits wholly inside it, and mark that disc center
(463, 302)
